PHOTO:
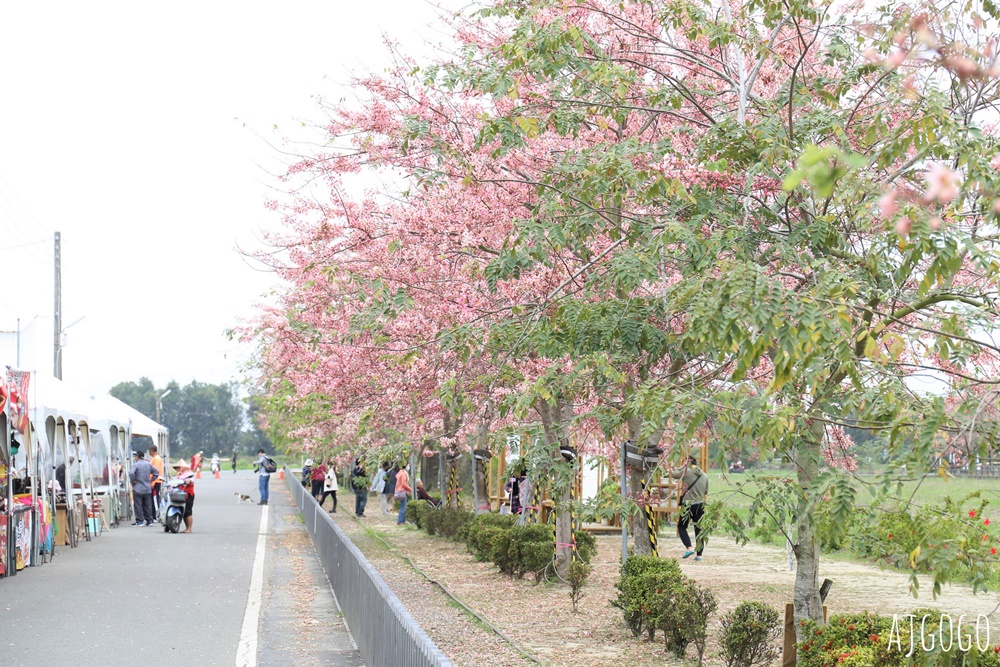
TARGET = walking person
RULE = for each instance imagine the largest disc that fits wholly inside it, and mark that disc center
(692, 504)
(263, 466)
(359, 482)
(216, 465)
(390, 487)
(141, 475)
(318, 480)
(307, 471)
(378, 486)
(156, 461)
(233, 460)
(184, 473)
(403, 490)
(330, 487)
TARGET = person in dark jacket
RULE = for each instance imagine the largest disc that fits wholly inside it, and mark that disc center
(307, 473)
(359, 482)
(61, 473)
(390, 487)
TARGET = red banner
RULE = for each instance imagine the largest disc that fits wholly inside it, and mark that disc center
(18, 383)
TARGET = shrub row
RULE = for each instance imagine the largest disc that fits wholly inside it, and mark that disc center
(869, 640)
(654, 595)
(515, 550)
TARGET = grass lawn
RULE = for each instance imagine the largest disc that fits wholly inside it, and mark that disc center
(929, 490)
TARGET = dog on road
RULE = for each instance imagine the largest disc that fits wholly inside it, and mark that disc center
(243, 498)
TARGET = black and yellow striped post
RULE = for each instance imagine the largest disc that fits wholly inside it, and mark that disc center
(650, 522)
(452, 488)
(534, 511)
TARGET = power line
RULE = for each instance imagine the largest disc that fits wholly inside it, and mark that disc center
(26, 245)
(23, 230)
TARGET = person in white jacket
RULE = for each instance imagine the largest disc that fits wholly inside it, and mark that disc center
(330, 486)
(378, 486)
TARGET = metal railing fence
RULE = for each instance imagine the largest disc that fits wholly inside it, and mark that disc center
(385, 632)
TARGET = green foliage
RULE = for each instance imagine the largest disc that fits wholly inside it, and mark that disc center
(684, 617)
(641, 585)
(749, 635)
(200, 416)
(870, 640)
(951, 541)
(447, 522)
(417, 510)
(484, 531)
(586, 545)
(576, 575)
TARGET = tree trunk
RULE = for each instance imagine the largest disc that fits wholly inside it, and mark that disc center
(641, 545)
(806, 548)
(479, 468)
(482, 493)
(639, 479)
(555, 424)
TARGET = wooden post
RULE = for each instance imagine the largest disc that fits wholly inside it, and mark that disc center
(788, 656)
(788, 647)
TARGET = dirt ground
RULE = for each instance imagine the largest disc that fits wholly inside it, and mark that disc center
(539, 618)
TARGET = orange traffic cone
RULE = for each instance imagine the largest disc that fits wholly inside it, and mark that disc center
(197, 475)
(216, 474)
(281, 473)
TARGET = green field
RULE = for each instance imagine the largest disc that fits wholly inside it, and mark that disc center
(930, 490)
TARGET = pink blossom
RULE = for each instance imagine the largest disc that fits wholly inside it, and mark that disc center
(896, 58)
(995, 162)
(903, 226)
(872, 56)
(887, 204)
(942, 184)
(962, 66)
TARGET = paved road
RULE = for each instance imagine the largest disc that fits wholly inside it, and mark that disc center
(139, 596)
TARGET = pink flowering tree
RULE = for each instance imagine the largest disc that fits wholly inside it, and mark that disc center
(767, 218)
(812, 195)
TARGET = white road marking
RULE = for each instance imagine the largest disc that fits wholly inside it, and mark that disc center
(246, 654)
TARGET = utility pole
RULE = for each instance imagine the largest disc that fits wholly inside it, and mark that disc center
(57, 312)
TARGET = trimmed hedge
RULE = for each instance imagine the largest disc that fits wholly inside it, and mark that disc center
(642, 580)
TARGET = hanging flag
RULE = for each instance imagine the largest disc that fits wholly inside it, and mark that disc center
(17, 383)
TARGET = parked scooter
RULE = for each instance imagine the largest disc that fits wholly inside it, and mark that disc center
(173, 510)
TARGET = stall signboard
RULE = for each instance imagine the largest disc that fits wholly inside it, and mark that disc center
(3, 545)
(22, 537)
(18, 383)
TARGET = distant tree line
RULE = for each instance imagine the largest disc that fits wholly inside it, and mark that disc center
(201, 417)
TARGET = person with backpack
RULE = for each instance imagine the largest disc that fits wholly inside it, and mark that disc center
(264, 466)
(359, 482)
(692, 506)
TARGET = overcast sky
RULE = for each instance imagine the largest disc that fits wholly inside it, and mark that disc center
(143, 134)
